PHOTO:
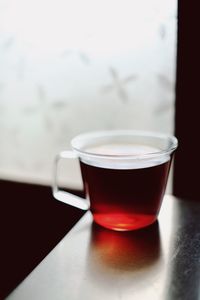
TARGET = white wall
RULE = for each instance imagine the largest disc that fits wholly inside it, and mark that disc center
(72, 66)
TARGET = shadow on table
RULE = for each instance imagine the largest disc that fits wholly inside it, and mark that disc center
(130, 250)
(31, 225)
(127, 259)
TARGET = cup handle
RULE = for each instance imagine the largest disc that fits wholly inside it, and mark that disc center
(64, 196)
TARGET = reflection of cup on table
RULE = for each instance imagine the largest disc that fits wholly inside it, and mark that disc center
(124, 174)
(128, 251)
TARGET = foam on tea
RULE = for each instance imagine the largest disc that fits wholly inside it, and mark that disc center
(123, 151)
(125, 192)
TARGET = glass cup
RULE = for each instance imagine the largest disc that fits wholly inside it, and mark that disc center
(124, 175)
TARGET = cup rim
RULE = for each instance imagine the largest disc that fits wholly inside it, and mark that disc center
(125, 132)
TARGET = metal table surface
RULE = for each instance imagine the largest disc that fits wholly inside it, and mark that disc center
(159, 262)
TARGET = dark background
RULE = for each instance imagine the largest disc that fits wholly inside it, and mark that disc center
(187, 117)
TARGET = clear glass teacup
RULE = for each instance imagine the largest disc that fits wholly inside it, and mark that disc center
(124, 174)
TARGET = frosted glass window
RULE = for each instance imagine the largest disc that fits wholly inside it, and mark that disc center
(70, 66)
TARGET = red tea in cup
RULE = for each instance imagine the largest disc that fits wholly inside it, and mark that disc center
(125, 196)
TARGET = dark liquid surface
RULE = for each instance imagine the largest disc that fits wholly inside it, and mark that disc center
(125, 199)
